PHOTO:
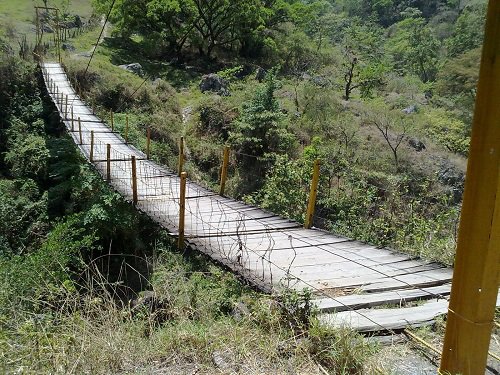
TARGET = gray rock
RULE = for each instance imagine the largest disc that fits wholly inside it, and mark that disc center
(222, 361)
(135, 68)
(240, 311)
(214, 83)
(449, 175)
(320, 81)
(411, 109)
(68, 47)
(416, 144)
(260, 74)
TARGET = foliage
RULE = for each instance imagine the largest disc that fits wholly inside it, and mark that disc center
(450, 132)
(469, 30)
(203, 24)
(414, 48)
(260, 132)
(363, 65)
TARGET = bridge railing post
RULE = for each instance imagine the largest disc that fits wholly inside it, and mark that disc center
(181, 155)
(312, 195)
(72, 120)
(182, 210)
(80, 130)
(126, 128)
(108, 162)
(134, 181)
(91, 146)
(112, 122)
(223, 174)
(66, 108)
(148, 143)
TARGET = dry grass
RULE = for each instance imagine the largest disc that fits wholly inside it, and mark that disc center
(188, 326)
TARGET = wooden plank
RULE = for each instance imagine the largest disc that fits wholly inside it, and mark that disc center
(374, 320)
(359, 301)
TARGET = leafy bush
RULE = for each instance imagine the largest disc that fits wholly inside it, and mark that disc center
(450, 132)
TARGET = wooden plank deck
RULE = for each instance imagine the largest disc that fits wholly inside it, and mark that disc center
(269, 251)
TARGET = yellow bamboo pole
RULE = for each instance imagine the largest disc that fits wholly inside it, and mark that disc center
(66, 108)
(148, 143)
(80, 130)
(126, 128)
(182, 210)
(475, 278)
(91, 146)
(108, 162)
(134, 181)
(312, 195)
(223, 174)
(181, 155)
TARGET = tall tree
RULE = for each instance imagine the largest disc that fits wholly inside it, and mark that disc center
(414, 47)
(363, 59)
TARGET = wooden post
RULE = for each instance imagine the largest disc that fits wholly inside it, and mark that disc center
(148, 143)
(182, 211)
(91, 146)
(72, 120)
(181, 155)
(223, 174)
(312, 195)
(108, 162)
(112, 122)
(66, 108)
(134, 181)
(80, 130)
(126, 128)
(475, 278)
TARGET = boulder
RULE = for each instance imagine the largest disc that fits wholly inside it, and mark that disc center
(68, 47)
(214, 83)
(135, 68)
(240, 311)
(416, 144)
(411, 109)
(449, 175)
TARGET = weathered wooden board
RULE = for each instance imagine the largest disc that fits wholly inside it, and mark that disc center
(358, 301)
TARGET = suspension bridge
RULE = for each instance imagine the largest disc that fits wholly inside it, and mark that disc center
(346, 277)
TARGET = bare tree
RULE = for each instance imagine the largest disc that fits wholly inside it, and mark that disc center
(392, 134)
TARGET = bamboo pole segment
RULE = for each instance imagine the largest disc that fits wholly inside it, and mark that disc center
(112, 122)
(181, 155)
(182, 211)
(108, 162)
(72, 120)
(91, 146)
(223, 174)
(126, 128)
(80, 130)
(134, 181)
(312, 195)
(148, 143)
(475, 278)
(66, 108)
